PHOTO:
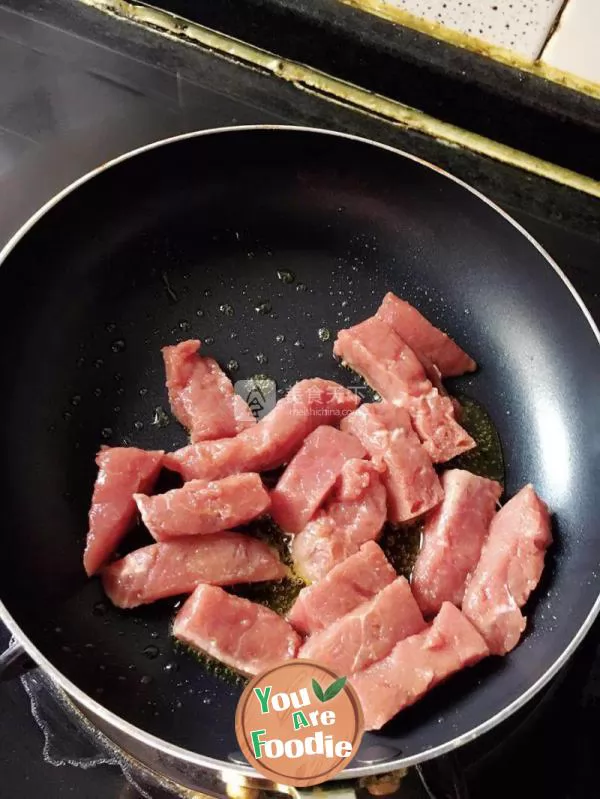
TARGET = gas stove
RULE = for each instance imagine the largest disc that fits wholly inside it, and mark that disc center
(80, 87)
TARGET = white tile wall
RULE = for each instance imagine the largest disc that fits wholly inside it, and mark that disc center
(575, 45)
(521, 26)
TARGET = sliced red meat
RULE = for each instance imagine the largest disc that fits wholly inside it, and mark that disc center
(242, 634)
(310, 475)
(453, 535)
(353, 514)
(122, 472)
(417, 664)
(368, 633)
(509, 569)
(349, 584)
(426, 340)
(391, 367)
(274, 440)
(177, 567)
(201, 395)
(411, 481)
(201, 507)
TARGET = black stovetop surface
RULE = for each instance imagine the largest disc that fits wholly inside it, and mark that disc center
(77, 88)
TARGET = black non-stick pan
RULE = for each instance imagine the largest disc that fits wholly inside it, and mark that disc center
(186, 239)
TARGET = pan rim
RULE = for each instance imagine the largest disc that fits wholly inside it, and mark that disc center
(203, 761)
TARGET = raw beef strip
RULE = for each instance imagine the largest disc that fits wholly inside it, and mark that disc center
(242, 634)
(201, 507)
(426, 340)
(417, 664)
(389, 365)
(201, 395)
(177, 567)
(368, 633)
(354, 513)
(122, 472)
(452, 539)
(412, 484)
(310, 475)
(274, 440)
(348, 585)
(509, 569)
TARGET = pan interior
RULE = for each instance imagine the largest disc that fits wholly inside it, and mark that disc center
(261, 243)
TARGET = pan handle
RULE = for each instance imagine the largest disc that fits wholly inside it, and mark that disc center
(376, 786)
(14, 662)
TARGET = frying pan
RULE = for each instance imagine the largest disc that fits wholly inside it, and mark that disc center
(185, 238)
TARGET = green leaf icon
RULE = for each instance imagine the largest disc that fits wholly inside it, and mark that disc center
(334, 689)
(331, 692)
(318, 691)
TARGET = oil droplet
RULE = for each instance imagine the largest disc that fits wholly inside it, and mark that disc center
(280, 338)
(286, 276)
(98, 363)
(154, 634)
(100, 609)
(126, 441)
(118, 345)
(199, 312)
(80, 362)
(227, 309)
(324, 333)
(171, 667)
(138, 425)
(120, 391)
(233, 335)
(300, 287)
(146, 679)
(298, 343)
(117, 377)
(106, 432)
(263, 308)
(161, 418)
(67, 415)
(75, 399)
(111, 327)
(51, 428)
(209, 340)
(233, 365)
(184, 324)
(98, 392)
(262, 358)
(207, 292)
(151, 651)
(143, 391)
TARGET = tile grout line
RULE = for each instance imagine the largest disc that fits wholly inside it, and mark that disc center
(553, 28)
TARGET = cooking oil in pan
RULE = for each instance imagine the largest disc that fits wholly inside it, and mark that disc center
(486, 459)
